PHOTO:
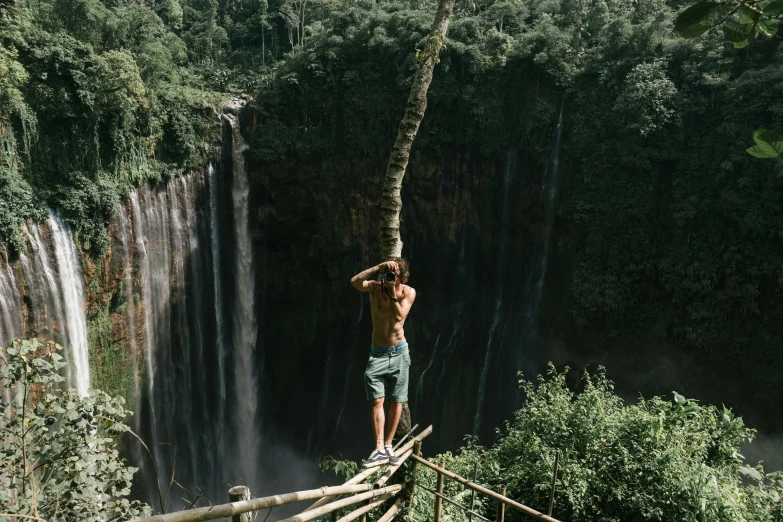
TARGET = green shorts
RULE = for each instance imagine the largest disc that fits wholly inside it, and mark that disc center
(388, 369)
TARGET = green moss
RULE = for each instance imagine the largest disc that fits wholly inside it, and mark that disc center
(111, 359)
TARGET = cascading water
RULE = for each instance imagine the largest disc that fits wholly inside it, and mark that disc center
(527, 359)
(176, 414)
(244, 320)
(201, 392)
(214, 241)
(124, 235)
(52, 285)
(45, 292)
(499, 309)
(73, 301)
(11, 316)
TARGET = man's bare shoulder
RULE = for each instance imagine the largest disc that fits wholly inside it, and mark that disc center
(408, 292)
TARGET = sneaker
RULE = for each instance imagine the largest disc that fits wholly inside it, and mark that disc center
(392, 457)
(376, 459)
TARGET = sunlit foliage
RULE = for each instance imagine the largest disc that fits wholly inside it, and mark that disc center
(57, 459)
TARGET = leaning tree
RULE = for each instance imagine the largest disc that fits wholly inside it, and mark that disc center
(391, 201)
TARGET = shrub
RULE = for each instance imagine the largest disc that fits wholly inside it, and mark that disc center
(56, 459)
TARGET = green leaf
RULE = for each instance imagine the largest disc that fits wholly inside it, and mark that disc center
(769, 141)
(773, 8)
(742, 44)
(696, 30)
(749, 16)
(695, 15)
(751, 473)
(758, 152)
(769, 26)
(735, 32)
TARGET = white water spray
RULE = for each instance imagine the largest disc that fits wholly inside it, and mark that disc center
(245, 328)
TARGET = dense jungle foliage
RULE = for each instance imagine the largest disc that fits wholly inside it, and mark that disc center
(654, 460)
(664, 217)
(662, 208)
(94, 100)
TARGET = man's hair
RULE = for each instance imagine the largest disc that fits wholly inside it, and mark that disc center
(405, 271)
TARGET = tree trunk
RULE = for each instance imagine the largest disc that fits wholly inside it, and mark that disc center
(391, 202)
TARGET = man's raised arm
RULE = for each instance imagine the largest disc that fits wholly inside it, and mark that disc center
(361, 280)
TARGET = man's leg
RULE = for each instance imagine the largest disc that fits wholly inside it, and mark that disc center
(378, 421)
(395, 410)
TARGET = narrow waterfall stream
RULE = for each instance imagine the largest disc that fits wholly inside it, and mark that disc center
(11, 315)
(245, 328)
(527, 354)
(50, 280)
(73, 302)
(498, 317)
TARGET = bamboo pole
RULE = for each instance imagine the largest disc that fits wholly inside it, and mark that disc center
(447, 499)
(328, 508)
(236, 494)
(473, 493)
(255, 504)
(488, 492)
(392, 469)
(439, 497)
(354, 480)
(501, 505)
(392, 512)
(554, 483)
(412, 483)
(353, 515)
(366, 473)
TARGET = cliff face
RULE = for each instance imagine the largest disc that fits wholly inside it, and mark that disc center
(470, 224)
(473, 226)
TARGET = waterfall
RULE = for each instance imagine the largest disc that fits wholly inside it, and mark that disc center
(527, 357)
(511, 158)
(46, 298)
(11, 317)
(214, 237)
(52, 286)
(176, 407)
(353, 348)
(73, 300)
(244, 320)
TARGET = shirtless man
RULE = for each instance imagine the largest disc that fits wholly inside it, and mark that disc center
(390, 301)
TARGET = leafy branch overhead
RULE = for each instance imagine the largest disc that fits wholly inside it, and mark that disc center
(769, 144)
(741, 21)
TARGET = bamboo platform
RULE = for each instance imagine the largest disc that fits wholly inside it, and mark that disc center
(364, 496)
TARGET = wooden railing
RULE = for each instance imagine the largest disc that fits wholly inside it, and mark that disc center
(500, 496)
(356, 490)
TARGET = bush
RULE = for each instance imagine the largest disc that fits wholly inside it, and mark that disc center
(653, 460)
(56, 459)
